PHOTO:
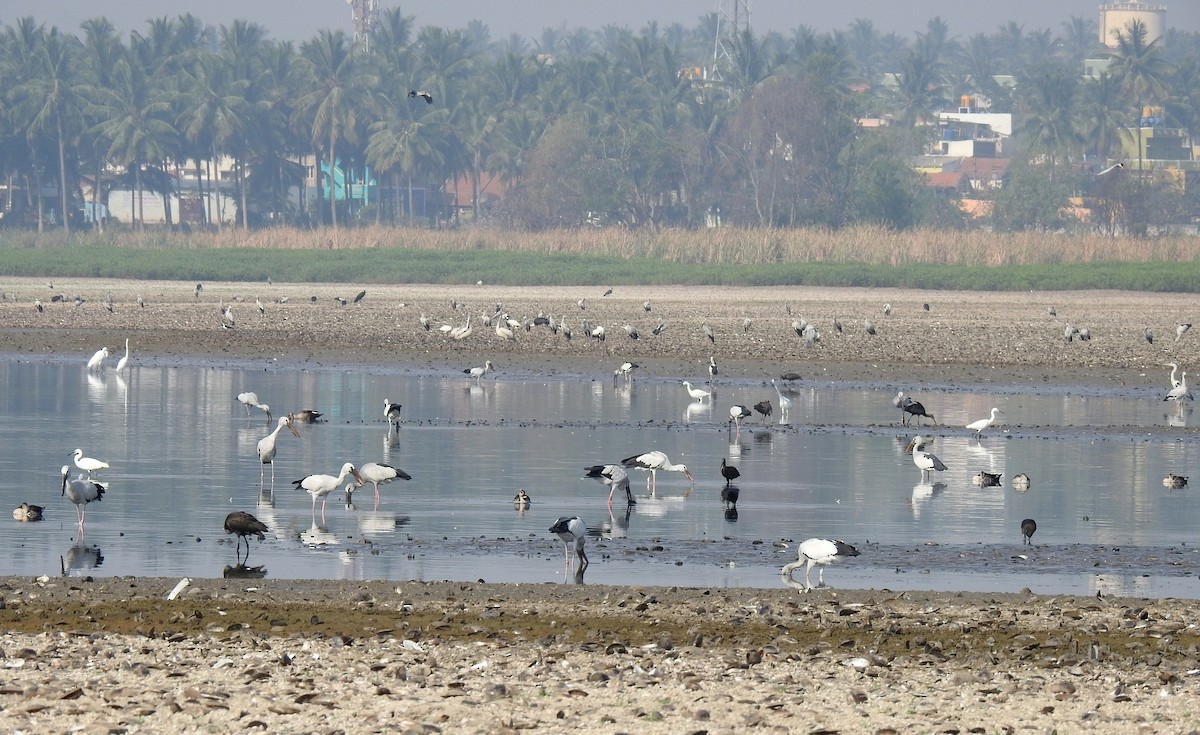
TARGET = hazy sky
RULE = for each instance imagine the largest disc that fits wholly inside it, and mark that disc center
(300, 19)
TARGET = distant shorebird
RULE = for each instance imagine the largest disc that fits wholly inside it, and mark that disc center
(818, 551)
(1028, 527)
(981, 424)
(479, 372)
(698, 393)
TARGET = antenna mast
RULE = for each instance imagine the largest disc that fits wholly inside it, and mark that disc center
(733, 20)
(363, 12)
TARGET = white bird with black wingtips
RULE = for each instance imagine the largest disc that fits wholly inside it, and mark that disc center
(391, 411)
(319, 486)
(80, 492)
(377, 474)
(925, 461)
(653, 461)
(479, 372)
(737, 413)
(614, 476)
(818, 552)
(573, 533)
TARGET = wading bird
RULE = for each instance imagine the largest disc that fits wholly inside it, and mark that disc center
(479, 372)
(925, 461)
(729, 472)
(97, 360)
(377, 474)
(244, 526)
(785, 403)
(391, 412)
(1028, 526)
(737, 413)
(981, 424)
(124, 361)
(80, 492)
(818, 551)
(614, 476)
(626, 370)
(573, 532)
(1180, 393)
(712, 369)
(266, 449)
(88, 464)
(698, 393)
(249, 399)
(764, 409)
(319, 486)
(654, 461)
(914, 409)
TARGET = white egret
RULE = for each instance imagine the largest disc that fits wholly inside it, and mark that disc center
(981, 424)
(1174, 369)
(573, 532)
(653, 461)
(88, 464)
(124, 361)
(785, 403)
(817, 551)
(1180, 392)
(97, 360)
(80, 492)
(698, 393)
(319, 486)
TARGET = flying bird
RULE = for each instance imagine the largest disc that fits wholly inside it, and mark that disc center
(818, 551)
(1111, 169)
(414, 93)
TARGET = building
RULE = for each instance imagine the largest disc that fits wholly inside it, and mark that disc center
(1117, 17)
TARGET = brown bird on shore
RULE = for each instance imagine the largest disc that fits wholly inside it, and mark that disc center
(244, 525)
(764, 408)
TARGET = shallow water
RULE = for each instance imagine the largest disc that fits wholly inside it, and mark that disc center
(182, 452)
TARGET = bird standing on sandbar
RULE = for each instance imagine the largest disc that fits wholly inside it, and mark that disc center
(818, 551)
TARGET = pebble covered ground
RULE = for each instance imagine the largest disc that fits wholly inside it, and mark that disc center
(113, 655)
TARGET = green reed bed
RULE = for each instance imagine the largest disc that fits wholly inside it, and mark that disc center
(856, 257)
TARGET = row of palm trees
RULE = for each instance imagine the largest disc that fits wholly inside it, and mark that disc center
(611, 121)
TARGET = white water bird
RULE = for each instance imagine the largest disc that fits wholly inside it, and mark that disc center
(653, 461)
(88, 464)
(461, 333)
(925, 461)
(266, 448)
(1180, 392)
(573, 533)
(1174, 369)
(124, 361)
(391, 412)
(319, 486)
(614, 476)
(626, 370)
(97, 360)
(738, 412)
(698, 393)
(377, 474)
(80, 492)
(1180, 329)
(479, 372)
(981, 424)
(249, 399)
(818, 551)
(785, 403)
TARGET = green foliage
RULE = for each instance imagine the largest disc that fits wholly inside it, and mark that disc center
(1030, 200)
(496, 267)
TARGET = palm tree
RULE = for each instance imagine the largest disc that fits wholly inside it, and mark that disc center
(101, 50)
(1102, 116)
(52, 99)
(1048, 112)
(1140, 71)
(211, 116)
(338, 98)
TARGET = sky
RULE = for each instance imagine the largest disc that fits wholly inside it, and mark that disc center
(299, 20)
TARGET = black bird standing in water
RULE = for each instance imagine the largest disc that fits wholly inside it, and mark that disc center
(244, 525)
(730, 473)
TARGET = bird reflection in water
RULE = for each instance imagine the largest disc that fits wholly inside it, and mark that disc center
(318, 535)
(922, 493)
(241, 571)
(729, 496)
(80, 557)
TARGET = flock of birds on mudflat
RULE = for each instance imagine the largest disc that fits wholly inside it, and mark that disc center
(571, 530)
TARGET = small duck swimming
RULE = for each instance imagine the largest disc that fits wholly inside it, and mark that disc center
(987, 479)
(1174, 481)
(26, 512)
(521, 500)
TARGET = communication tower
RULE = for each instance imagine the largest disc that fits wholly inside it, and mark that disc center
(363, 12)
(733, 19)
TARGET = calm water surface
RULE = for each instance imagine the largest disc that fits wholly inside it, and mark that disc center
(182, 452)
